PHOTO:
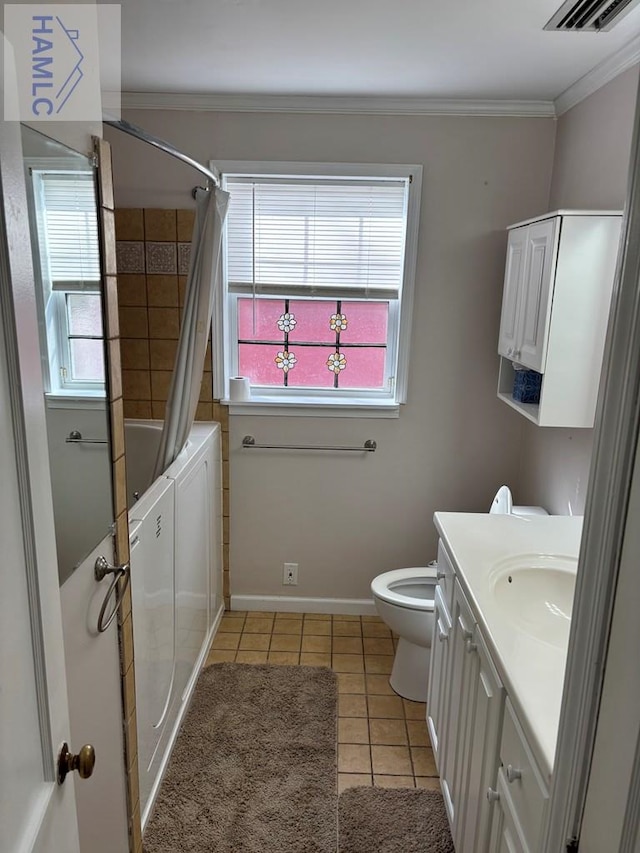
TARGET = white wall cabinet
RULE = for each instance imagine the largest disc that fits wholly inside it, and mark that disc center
(557, 290)
(494, 794)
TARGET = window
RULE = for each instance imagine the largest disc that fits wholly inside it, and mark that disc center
(318, 282)
(69, 265)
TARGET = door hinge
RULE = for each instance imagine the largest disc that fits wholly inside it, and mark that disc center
(572, 845)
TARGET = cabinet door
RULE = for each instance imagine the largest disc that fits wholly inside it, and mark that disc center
(513, 278)
(485, 707)
(437, 694)
(505, 835)
(462, 680)
(536, 294)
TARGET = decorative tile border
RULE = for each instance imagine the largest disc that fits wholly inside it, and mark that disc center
(130, 256)
(161, 258)
(184, 256)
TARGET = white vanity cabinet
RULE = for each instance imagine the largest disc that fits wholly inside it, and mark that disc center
(474, 714)
(521, 795)
(494, 794)
(557, 291)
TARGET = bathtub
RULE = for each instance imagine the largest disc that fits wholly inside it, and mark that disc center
(175, 530)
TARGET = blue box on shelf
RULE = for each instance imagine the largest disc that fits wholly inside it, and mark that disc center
(526, 386)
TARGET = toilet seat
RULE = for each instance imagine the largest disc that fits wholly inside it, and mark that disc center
(388, 587)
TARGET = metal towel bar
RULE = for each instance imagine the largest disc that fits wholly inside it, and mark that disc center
(75, 437)
(369, 446)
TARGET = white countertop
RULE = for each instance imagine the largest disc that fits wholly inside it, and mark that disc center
(532, 670)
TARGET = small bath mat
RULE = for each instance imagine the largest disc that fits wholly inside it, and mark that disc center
(254, 766)
(393, 820)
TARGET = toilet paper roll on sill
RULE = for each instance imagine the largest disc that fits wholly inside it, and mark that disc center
(239, 389)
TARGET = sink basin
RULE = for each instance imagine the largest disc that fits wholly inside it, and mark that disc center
(535, 592)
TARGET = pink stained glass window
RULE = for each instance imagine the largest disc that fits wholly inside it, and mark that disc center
(366, 322)
(364, 368)
(267, 314)
(313, 343)
(312, 320)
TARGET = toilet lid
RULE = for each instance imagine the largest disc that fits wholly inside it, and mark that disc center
(411, 588)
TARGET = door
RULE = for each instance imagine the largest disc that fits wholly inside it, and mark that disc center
(536, 294)
(438, 678)
(463, 674)
(513, 277)
(36, 814)
(481, 760)
(505, 836)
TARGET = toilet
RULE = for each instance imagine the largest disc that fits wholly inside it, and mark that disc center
(404, 599)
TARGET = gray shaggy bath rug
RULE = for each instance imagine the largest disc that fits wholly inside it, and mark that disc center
(393, 820)
(254, 767)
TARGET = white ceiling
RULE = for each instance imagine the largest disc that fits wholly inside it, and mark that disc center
(413, 48)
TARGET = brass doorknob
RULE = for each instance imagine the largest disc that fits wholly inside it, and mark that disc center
(83, 762)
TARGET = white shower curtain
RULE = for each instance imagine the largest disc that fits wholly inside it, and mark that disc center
(203, 282)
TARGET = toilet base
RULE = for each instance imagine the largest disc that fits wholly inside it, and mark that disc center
(410, 674)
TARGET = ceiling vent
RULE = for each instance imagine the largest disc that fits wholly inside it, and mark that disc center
(590, 16)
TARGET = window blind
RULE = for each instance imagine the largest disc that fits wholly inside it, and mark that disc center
(70, 224)
(303, 235)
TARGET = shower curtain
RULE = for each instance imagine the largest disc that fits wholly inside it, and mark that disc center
(203, 282)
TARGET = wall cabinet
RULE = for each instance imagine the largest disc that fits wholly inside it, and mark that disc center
(558, 281)
(494, 794)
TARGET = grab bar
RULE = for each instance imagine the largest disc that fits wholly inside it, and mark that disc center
(369, 446)
(75, 437)
(100, 571)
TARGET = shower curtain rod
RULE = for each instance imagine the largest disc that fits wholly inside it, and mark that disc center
(141, 134)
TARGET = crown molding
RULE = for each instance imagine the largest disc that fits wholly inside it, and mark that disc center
(335, 104)
(599, 76)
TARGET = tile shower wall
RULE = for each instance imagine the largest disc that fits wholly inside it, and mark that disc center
(153, 248)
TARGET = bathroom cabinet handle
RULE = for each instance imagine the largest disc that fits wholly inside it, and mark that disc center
(440, 574)
(471, 647)
(442, 635)
(492, 796)
(466, 633)
(512, 774)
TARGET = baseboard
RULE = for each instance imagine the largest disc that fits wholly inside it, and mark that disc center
(290, 604)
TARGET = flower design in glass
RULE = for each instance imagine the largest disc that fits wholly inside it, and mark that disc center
(336, 362)
(338, 323)
(287, 323)
(285, 361)
(337, 343)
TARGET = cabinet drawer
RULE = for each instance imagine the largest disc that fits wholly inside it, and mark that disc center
(528, 793)
(446, 575)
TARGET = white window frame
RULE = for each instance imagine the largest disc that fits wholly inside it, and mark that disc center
(323, 402)
(52, 304)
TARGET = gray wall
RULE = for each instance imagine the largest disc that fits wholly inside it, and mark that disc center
(589, 172)
(344, 520)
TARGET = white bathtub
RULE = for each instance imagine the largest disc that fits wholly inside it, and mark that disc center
(176, 582)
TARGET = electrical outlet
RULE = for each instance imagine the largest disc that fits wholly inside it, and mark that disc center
(290, 574)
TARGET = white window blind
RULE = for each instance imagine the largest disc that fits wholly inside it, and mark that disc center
(314, 236)
(70, 225)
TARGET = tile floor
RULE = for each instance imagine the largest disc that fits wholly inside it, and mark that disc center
(382, 739)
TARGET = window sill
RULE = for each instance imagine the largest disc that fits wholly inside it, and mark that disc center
(76, 400)
(315, 408)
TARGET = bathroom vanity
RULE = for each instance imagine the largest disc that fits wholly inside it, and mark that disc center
(501, 628)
